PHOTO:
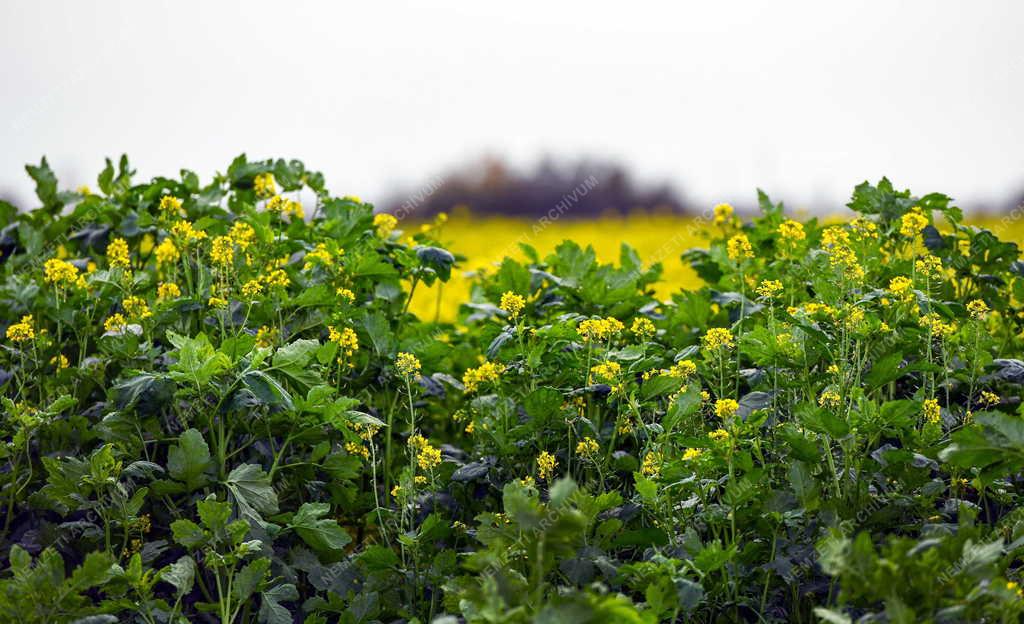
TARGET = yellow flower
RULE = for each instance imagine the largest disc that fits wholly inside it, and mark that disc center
(264, 185)
(1014, 587)
(252, 289)
(487, 372)
(718, 435)
(276, 278)
(900, 287)
(319, 255)
(682, 369)
(829, 398)
(929, 266)
(931, 411)
(60, 361)
(60, 272)
(988, 399)
(243, 234)
(396, 491)
(266, 336)
(385, 224)
(977, 308)
(185, 233)
(346, 294)
(170, 205)
(642, 327)
(166, 252)
(832, 369)
(606, 370)
(136, 307)
(117, 254)
(651, 465)
(408, 364)
(739, 248)
(587, 447)
(792, 232)
(167, 290)
(512, 303)
(115, 322)
(223, 251)
(769, 289)
(599, 329)
(691, 454)
(346, 339)
(546, 464)
(217, 302)
(357, 449)
(718, 338)
(22, 330)
(723, 214)
(912, 223)
(428, 457)
(470, 428)
(726, 408)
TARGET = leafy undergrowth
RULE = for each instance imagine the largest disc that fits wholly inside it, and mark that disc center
(218, 408)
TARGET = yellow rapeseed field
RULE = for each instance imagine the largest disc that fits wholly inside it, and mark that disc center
(484, 241)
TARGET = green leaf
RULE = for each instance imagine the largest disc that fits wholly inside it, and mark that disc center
(181, 574)
(271, 610)
(251, 487)
(188, 533)
(322, 535)
(250, 578)
(188, 460)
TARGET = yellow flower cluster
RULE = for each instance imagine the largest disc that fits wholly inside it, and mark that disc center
(117, 254)
(408, 364)
(791, 232)
(546, 463)
(217, 302)
(512, 303)
(115, 322)
(719, 435)
(988, 399)
(769, 289)
(358, 450)
(276, 278)
(266, 336)
(682, 369)
(607, 370)
(60, 273)
(167, 290)
(427, 457)
(243, 234)
(252, 289)
(977, 308)
(22, 330)
(167, 252)
(738, 248)
(185, 233)
(346, 339)
(830, 399)
(935, 323)
(929, 266)
(726, 408)
(264, 185)
(222, 251)
(864, 229)
(912, 223)
(587, 447)
(136, 307)
(170, 205)
(723, 214)
(691, 454)
(931, 411)
(651, 465)
(599, 329)
(385, 224)
(346, 294)
(485, 373)
(900, 288)
(642, 327)
(718, 338)
(319, 255)
(286, 207)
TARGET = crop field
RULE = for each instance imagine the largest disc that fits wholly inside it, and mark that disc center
(223, 405)
(485, 241)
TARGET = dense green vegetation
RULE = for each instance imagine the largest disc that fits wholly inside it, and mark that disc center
(217, 407)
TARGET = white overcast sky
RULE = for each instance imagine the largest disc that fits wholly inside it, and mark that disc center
(802, 98)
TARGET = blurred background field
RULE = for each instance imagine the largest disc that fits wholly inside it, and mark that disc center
(485, 240)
